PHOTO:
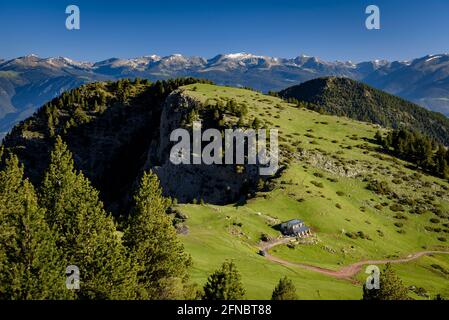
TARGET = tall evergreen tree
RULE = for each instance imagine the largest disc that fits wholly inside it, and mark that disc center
(285, 290)
(419, 149)
(224, 284)
(86, 234)
(379, 138)
(30, 264)
(390, 287)
(153, 241)
(441, 165)
(256, 123)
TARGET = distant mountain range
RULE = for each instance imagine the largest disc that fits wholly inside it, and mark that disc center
(28, 82)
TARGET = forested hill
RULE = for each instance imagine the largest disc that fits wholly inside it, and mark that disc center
(346, 97)
(109, 127)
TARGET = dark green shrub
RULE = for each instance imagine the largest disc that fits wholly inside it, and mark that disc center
(400, 216)
(351, 235)
(317, 184)
(379, 187)
(396, 207)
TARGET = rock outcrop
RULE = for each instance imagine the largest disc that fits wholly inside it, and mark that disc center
(120, 139)
(218, 184)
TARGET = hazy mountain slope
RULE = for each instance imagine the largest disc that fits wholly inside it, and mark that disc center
(346, 97)
(424, 81)
(28, 82)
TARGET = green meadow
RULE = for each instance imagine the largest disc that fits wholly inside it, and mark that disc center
(330, 162)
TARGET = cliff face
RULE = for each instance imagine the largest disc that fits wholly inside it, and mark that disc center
(119, 138)
(217, 184)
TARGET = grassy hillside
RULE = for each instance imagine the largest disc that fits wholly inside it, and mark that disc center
(346, 97)
(360, 203)
(330, 164)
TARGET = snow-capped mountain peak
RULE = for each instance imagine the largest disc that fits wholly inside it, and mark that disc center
(241, 56)
(67, 62)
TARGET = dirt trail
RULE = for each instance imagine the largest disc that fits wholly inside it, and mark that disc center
(344, 273)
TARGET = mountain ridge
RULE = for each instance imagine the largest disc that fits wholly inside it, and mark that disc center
(356, 100)
(29, 81)
(246, 59)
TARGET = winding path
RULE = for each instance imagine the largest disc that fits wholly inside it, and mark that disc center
(344, 273)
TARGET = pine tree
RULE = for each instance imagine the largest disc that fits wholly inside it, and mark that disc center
(86, 234)
(159, 88)
(30, 264)
(379, 138)
(440, 162)
(285, 290)
(152, 239)
(440, 297)
(50, 121)
(240, 123)
(390, 287)
(224, 284)
(191, 117)
(256, 123)
(103, 100)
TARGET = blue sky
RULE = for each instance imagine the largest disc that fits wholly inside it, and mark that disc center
(332, 30)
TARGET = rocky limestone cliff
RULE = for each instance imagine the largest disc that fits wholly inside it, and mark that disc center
(216, 184)
(122, 138)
